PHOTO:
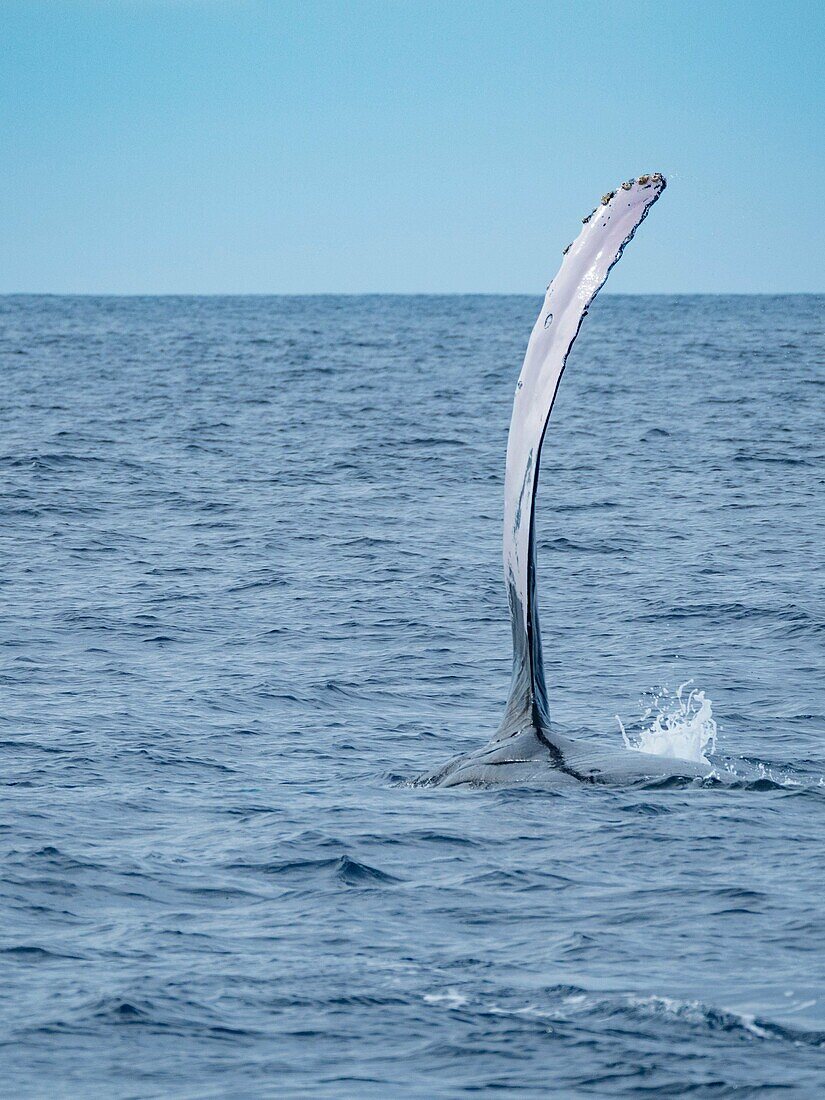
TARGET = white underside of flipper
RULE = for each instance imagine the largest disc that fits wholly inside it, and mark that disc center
(584, 270)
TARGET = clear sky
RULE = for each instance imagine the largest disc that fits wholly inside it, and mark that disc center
(261, 146)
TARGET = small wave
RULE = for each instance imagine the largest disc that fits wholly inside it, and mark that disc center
(567, 546)
(29, 953)
(563, 1005)
(654, 433)
(353, 873)
(717, 1019)
(343, 869)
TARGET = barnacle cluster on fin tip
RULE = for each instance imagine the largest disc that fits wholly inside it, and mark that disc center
(651, 177)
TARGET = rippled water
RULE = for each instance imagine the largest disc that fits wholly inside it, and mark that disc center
(252, 585)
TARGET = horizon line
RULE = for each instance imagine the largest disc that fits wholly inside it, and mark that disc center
(399, 294)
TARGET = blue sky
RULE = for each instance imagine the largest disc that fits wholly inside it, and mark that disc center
(210, 146)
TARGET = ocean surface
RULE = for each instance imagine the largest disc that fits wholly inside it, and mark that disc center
(251, 588)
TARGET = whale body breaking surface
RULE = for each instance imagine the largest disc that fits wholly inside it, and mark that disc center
(526, 750)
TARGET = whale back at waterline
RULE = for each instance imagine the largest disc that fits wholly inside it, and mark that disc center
(525, 744)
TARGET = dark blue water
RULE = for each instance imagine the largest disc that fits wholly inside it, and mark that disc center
(251, 585)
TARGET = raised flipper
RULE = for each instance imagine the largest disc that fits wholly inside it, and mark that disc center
(586, 265)
(524, 749)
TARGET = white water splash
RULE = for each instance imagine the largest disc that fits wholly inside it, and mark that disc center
(676, 725)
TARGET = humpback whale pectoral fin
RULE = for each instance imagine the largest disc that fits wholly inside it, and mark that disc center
(524, 741)
(586, 264)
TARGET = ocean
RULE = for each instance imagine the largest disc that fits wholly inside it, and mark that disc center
(252, 588)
